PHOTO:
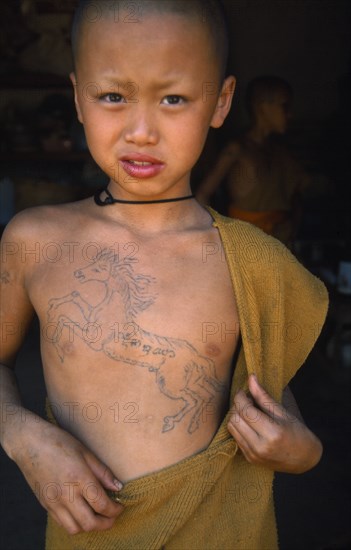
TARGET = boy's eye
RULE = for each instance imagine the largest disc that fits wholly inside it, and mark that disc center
(113, 98)
(173, 100)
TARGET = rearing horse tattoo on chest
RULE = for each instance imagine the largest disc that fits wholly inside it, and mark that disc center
(124, 295)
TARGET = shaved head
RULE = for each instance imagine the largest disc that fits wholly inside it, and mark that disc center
(209, 13)
(265, 88)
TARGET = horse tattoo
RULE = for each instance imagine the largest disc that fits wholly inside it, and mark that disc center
(124, 295)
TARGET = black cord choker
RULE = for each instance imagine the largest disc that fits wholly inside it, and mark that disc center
(111, 200)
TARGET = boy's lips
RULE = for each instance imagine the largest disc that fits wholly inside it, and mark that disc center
(141, 166)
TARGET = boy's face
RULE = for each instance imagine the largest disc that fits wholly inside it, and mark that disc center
(147, 92)
(277, 112)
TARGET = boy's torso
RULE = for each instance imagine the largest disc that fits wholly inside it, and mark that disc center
(257, 181)
(138, 335)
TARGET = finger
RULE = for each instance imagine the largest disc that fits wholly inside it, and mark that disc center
(242, 441)
(103, 473)
(265, 401)
(65, 519)
(247, 411)
(95, 496)
(255, 446)
(241, 429)
(87, 520)
(246, 415)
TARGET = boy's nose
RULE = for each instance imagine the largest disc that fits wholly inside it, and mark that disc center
(141, 128)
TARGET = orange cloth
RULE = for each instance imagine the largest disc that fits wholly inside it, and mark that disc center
(266, 220)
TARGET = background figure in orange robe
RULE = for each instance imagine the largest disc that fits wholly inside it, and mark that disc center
(264, 181)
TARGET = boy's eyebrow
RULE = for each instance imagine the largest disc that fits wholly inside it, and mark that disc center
(114, 81)
(125, 83)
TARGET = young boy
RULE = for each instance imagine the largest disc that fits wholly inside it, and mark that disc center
(168, 332)
(264, 182)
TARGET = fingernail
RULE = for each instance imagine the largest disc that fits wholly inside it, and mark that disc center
(117, 484)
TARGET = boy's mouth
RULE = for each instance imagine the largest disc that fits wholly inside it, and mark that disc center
(141, 166)
(139, 163)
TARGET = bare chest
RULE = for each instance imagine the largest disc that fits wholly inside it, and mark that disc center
(110, 291)
(145, 322)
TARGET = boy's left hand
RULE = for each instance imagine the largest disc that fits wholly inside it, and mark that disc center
(271, 436)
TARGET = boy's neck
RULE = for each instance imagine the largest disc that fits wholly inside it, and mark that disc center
(259, 133)
(151, 219)
(109, 199)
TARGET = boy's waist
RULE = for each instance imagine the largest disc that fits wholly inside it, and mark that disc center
(130, 449)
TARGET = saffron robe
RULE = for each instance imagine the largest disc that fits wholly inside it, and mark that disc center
(216, 500)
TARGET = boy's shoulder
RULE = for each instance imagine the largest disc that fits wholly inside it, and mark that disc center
(249, 247)
(242, 231)
(40, 221)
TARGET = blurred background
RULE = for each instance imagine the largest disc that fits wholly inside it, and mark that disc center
(44, 159)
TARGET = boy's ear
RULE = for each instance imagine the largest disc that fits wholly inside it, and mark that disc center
(74, 82)
(224, 102)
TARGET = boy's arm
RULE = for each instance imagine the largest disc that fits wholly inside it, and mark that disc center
(226, 160)
(48, 456)
(271, 434)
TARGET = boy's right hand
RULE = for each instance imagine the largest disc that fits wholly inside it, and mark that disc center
(67, 478)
